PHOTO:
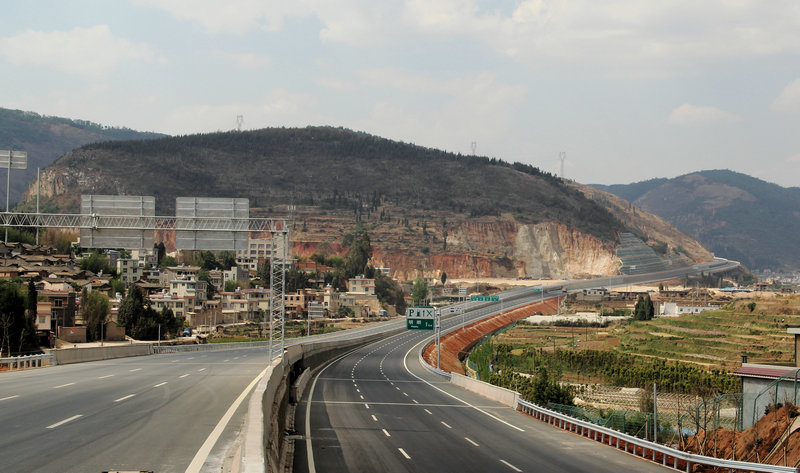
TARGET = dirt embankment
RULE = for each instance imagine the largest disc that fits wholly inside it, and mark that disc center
(774, 439)
(456, 345)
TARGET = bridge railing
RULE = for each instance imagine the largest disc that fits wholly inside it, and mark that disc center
(26, 361)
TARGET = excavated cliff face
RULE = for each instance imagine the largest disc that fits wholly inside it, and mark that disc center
(503, 248)
(61, 182)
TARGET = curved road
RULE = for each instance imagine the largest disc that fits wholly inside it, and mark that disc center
(377, 409)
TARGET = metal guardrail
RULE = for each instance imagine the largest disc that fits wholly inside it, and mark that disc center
(161, 349)
(641, 447)
(27, 361)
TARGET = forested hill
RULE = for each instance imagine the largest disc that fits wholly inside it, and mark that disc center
(732, 214)
(47, 138)
(331, 168)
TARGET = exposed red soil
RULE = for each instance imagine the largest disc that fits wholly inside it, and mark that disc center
(456, 345)
(761, 443)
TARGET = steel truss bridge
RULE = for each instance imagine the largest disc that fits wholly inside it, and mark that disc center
(277, 228)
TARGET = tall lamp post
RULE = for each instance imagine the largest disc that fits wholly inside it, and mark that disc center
(12, 159)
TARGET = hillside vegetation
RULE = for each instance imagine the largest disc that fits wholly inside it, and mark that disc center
(733, 215)
(47, 138)
(333, 169)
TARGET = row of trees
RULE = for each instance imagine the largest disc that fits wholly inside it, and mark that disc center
(619, 369)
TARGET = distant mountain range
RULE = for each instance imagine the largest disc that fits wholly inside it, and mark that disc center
(734, 215)
(45, 139)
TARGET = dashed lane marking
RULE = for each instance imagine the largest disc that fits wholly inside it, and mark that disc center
(373, 416)
(135, 369)
(70, 419)
(183, 375)
(9, 397)
(404, 454)
(510, 466)
(106, 376)
(124, 397)
(471, 441)
(160, 384)
(385, 432)
(445, 424)
(63, 385)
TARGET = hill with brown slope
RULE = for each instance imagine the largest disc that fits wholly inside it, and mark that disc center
(426, 210)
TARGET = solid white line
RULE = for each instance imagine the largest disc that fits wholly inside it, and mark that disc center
(200, 457)
(160, 384)
(183, 375)
(385, 432)
(405, 364)
(445, 424)
(137, 369)
(106, 376)
(373, 416)
(309, 447)
(64, 421)
(63, 385)
(471, 441)
(404, 454)
(510, 466)
(9, 397)
(125, 397)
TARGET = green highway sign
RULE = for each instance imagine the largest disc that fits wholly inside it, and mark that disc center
(419, 324)
(420, 318)
(485, 298)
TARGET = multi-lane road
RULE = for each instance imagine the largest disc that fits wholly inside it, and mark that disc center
(377, 409)
(149, 413)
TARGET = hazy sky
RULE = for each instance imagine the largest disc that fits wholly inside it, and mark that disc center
(630, 90)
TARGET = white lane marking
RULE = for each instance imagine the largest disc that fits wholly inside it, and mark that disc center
(471, 441)
(445, 424)
(125, 397)
(404, 454)
(64, 421)
(15, 395)
(358, 390)
(415, 401)
(366, 405)
(183, 375)
(405, 394)
(510, 466)
(201, 369)
(361, 396)
(190, 358)
(174, 361)
(200, 457)
(137, 369)
(106, 376)
(385, 432)
(429, 412)
(405, 365)
(63, 385)
(160, 384)
(225, 361)
(373, 416)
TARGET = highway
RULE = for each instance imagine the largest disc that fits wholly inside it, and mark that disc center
(150, 413)
(377, 409)
(158, 413)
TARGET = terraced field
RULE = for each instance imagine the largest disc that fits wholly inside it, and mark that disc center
(713, 339)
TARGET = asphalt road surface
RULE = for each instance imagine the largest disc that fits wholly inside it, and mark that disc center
(376, 409)
(150, 413)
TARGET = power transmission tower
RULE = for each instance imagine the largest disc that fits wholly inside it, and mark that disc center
(474, 146)
(563, 157)
(239, 122)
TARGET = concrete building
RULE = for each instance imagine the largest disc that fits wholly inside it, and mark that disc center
(129, 270)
